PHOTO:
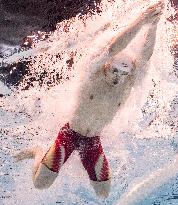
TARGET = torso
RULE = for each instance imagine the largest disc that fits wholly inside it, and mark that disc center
(98, 103)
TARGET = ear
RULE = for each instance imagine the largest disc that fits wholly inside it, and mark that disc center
(133, 58)
(134, 63)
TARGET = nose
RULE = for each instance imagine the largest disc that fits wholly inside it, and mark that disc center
(115, 81)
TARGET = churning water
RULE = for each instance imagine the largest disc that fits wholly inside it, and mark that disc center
(141, 143)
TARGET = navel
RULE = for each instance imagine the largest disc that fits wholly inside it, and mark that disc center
(91, 97)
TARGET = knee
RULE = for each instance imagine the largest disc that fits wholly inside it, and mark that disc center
(44, 177)
(44, 182)
(101, 188)
(38, 184)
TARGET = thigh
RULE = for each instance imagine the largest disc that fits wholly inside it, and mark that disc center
(60, 151)
(46, 168)
(94, 159)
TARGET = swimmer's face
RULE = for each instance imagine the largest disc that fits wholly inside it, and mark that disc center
(116, 73)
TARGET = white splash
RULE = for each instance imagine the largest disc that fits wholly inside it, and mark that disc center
(34, 116)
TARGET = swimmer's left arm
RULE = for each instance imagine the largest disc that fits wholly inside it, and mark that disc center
(147, 46)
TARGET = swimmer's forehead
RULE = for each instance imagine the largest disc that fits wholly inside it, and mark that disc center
(121, 60)
(121, 64)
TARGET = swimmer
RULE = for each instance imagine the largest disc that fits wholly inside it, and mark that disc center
(100, 98)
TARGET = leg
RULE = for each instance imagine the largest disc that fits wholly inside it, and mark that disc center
(53, 160)
(35, 153)
(96, 165)
(46, 168)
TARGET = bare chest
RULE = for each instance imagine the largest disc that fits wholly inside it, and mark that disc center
(97, 105)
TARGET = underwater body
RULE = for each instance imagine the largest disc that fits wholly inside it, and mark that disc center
(140, 142)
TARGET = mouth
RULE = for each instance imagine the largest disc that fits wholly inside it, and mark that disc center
(115, 81)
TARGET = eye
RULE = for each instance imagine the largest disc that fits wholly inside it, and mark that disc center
(124, 73)
(125, 65)
(115, 70)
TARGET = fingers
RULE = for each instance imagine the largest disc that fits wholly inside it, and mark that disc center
(157, 8)
(153, 13)
(161, 4)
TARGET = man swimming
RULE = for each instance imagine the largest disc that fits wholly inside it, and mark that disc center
(100, 97)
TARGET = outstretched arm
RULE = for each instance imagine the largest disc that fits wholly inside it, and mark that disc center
(123, 39)
(147, 47)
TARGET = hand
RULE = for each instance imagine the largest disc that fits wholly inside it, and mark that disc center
(153, 13)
